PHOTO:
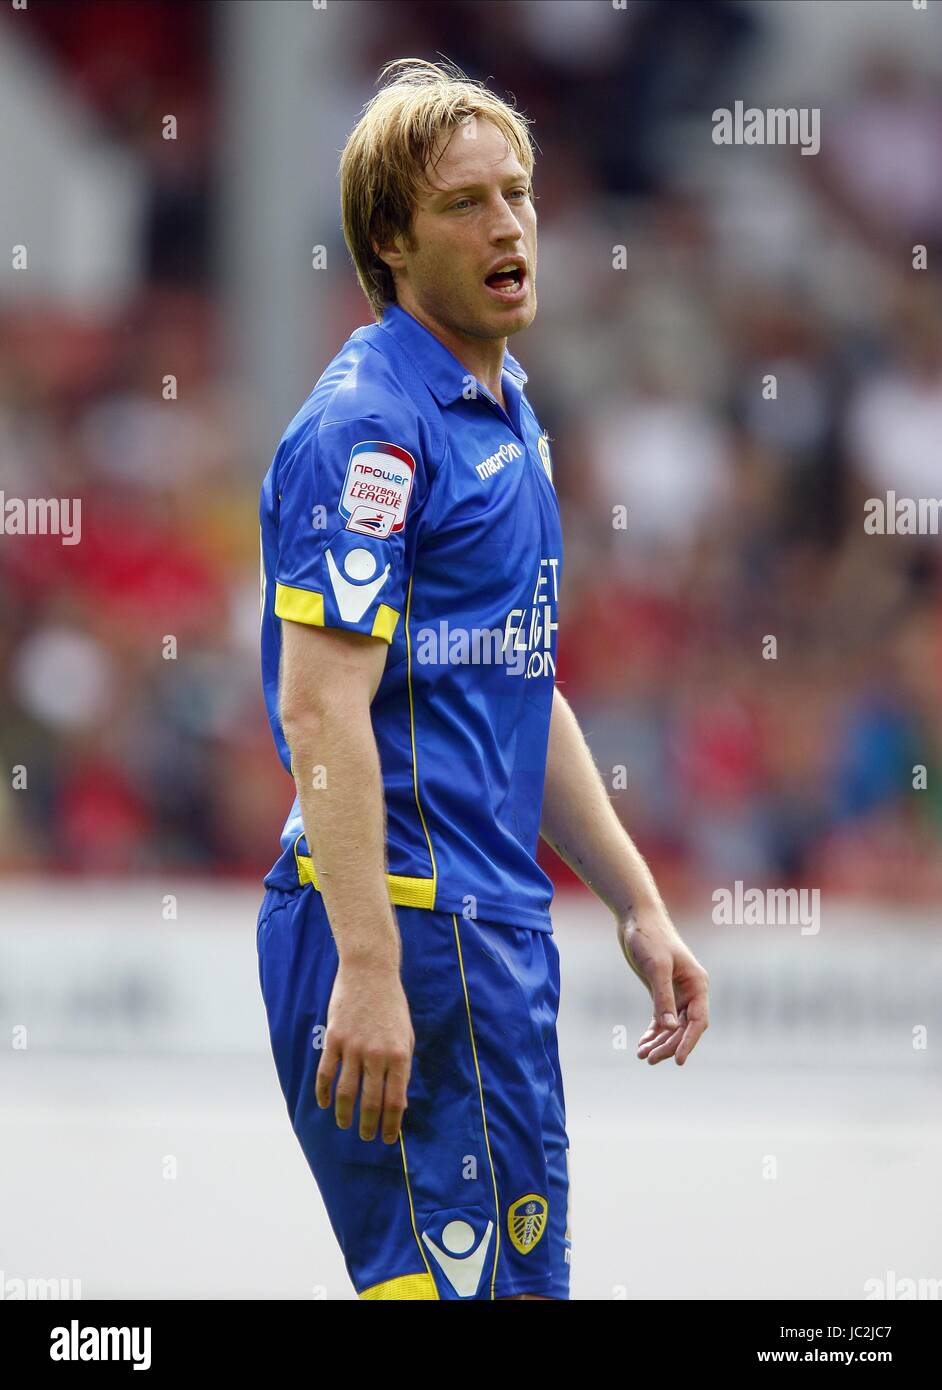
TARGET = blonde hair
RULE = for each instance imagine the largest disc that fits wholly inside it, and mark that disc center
(383, 163)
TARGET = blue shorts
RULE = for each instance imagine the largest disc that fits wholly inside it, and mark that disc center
(473, 1201)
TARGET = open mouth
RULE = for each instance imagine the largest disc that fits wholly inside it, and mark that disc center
(508, 283)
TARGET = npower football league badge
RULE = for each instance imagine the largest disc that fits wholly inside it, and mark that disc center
(377, 487)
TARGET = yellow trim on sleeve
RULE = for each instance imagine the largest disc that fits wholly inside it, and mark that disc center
(407, 1286)
(384, 624)
(307, 606)
(299, 605)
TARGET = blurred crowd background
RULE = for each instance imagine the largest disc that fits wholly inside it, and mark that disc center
(744, 514)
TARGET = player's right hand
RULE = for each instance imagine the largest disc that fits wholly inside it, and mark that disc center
(370, 1040)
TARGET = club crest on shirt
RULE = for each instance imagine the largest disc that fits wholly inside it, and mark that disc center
(543, 445)
(526, 1221)
(377, 488)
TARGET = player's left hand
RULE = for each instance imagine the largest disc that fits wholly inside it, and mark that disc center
(677, 982)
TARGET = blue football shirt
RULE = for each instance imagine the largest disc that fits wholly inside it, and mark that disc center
(405, 503)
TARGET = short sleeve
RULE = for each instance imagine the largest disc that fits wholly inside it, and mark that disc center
(349, 498)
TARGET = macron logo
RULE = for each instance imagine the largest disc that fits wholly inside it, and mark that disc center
(356, 589)
(463, 1272)
(495, 463)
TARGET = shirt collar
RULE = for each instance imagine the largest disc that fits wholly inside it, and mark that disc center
(444, 375)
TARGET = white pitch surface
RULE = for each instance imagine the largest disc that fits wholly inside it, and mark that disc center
(671, 1197)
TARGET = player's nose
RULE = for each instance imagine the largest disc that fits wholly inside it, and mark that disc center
(505, 225)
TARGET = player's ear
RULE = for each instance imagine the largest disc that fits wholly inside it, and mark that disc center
(391, 254)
